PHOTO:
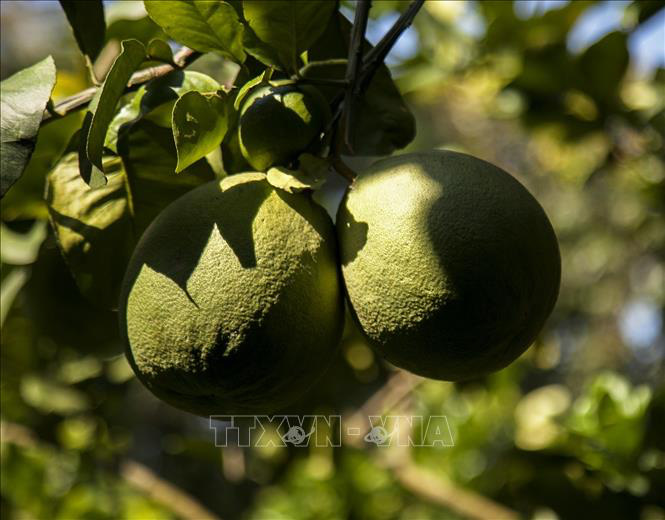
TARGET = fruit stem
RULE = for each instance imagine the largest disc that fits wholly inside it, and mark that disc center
(184, 57)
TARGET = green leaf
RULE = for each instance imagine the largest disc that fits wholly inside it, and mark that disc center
(25, 201)
(159, 50)
(149, 156)
(161, 94)
(141, 29)
(288, 27)
(200, 122)
(93, 227)
(203, 25)
(247, 87)
(264, 53)
(23, 98)
(383, 122)
(310, 175)
(155, 100)
(314, 167)
(131, 55)
(86, 18)
(128, 113)
(91, 175)
(97, 229)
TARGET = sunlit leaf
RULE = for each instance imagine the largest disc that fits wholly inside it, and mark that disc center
(159, 50)
(203, 25)
(309, 176)
(93, 227)
(247, 86)
(98, 228)
(200, 122)
(23, 98)
(102, 108)
(141, 29)
(155, 100)
(26, 198)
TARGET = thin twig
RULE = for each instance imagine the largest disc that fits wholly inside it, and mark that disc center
(182, 59)
(353, 67)
(371, 62)
(374, 58)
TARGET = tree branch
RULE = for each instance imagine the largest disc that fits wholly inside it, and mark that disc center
(374, 58)
(370, 64)
(353, 67)
(183, 58)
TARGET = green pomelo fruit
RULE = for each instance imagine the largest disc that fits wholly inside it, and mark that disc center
(451, 266)
(278, 123)
(232, 300)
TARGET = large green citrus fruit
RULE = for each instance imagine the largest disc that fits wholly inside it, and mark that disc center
(277, 123)
(450, 265)
(232, 299)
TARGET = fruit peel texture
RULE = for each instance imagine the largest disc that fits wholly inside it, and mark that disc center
(232, 301)
(450, 265)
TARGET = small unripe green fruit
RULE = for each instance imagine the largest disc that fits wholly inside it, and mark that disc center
(451, 266)
(232, 300)
(278, 123)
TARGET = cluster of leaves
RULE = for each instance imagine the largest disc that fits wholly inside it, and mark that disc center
(143, 144)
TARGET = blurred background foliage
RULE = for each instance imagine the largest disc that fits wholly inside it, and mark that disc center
(568, 96)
